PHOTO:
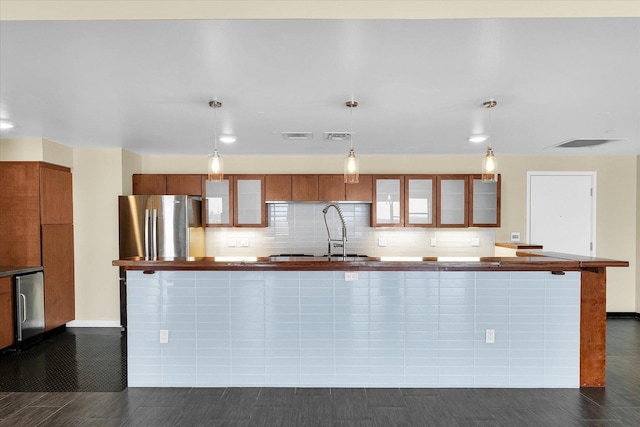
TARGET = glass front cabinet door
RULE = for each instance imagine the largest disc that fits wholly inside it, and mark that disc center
(484, 202)
(387, 209)
(218, 202)
(453, 201)
(419, 192)
(250, 206)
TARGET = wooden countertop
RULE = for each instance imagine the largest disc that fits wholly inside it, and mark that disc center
(535, 261)
(515, 245)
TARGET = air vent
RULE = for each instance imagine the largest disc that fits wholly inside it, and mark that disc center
(586, 142)
(337, 136)
(297, 136)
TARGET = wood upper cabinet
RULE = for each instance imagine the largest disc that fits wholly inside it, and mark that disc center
(331, 188)
(387, 209)
(20, 214)
(250, 209)
(56, 195)
(304, 188)
(484, 202)
(149, 184)
(184, 184)
(278, 188)
(453, 201)
(189, 184)
(360, 192)
(57, 262)
(419, 201)
(6, 312)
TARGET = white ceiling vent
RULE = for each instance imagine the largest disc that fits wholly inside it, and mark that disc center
(586, 142)
(337, 136)
(297, 136)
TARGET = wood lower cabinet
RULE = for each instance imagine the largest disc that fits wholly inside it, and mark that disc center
(57, 262)
(36, 229)
(6, 312)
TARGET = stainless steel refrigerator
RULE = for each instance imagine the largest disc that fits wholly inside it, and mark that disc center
(153, 227)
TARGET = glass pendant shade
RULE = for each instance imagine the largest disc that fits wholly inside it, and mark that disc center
(215, 171)
(489, 166)
(351, 168)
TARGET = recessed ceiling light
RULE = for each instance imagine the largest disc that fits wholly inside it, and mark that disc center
(6, 125)
(478, 138)
(227, 139)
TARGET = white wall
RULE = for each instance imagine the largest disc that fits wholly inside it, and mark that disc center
(97, 182)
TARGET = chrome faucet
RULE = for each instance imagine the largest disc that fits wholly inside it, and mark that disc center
(343, 241)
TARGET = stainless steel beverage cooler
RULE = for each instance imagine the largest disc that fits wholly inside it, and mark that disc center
(29, 303)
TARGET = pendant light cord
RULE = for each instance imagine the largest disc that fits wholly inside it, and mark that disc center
(351, 124)
(215, 128)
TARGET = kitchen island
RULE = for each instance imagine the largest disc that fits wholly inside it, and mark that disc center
(354, 322)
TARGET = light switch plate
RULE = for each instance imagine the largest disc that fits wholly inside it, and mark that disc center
(231, 243)
(515, 236)
(164, 336)
(244, 243)
(433, 241)
(475, 241)
(490, 336)
(382, 242)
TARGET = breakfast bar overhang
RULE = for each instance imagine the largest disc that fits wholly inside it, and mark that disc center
(288, 321)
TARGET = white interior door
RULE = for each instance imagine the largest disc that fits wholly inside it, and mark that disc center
(561, 211)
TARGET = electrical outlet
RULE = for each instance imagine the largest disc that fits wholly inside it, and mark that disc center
(515, 236)
(164, 336)
(475, 241)
(231, 243)
(382, 242)
(244, 243)
(350, 276)
(490, 336)
(433, 241)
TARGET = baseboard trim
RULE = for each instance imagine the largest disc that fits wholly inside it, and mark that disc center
(94, 324)
(623, 315)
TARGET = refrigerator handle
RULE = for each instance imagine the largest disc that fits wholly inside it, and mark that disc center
(147, 217)
(23, 299)
(154, 235)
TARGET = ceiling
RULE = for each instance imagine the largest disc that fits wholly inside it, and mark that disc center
(145, 85)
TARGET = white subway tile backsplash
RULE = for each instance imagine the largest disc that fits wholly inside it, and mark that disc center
(300, 228)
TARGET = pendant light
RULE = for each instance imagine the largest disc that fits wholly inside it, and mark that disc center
(351, 162)
(489, 163)
(214, 170)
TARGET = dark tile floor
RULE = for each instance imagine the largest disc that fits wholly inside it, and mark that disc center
(616, 405)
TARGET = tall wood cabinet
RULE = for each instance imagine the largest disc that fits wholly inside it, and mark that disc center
(36, 226)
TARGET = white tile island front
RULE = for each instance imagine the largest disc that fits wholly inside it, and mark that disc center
(385, 329)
